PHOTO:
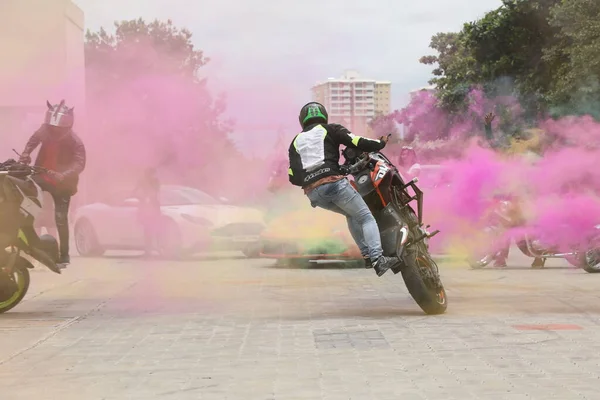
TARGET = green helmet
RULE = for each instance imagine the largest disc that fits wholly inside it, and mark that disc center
(311, 113)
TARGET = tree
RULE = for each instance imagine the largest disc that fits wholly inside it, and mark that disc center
(147, 105)
(531, 58)
(157, 46)
(508, 44)
(503, 52)
(577, 85)
(455, 70)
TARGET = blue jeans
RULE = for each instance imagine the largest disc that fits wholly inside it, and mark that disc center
(342, 198)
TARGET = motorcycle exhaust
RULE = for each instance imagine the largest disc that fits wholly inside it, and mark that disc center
(426, 235)
(400, 246)
(558, 255)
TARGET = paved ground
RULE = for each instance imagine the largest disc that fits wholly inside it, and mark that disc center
(123, 328)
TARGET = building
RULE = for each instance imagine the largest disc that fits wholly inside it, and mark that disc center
(429, 89)
(41, 42)
(354, 101)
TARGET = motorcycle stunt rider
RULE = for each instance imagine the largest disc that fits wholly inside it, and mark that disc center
(314, 165)
(61, 152)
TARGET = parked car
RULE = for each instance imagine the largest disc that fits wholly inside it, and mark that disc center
(193, 221)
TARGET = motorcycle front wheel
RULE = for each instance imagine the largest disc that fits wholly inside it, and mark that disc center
(422, 280)
(14, 286)
(481, 263)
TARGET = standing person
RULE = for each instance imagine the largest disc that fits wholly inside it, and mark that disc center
(61, 152)
(148, 192)
(314, 165)
(408, 162)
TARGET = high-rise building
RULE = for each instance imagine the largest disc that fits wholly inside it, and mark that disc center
(42, 44)
(354, 101)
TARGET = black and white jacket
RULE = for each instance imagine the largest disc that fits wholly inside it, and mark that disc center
(315, 152)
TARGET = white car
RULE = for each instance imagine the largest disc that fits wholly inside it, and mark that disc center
(193, 221)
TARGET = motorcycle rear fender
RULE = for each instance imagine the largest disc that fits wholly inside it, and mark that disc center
(389, 240)
(393, 231)
(25, 262)
(388, 217)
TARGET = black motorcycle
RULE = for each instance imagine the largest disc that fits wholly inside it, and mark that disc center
(402, 232)
(21, 201)
(505, 214)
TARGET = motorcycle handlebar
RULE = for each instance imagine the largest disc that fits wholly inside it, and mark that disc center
(17, 167)
(357, 166)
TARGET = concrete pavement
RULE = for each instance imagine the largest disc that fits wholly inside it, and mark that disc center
(123, 328)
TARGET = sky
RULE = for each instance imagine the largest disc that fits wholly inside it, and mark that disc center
(266, 54)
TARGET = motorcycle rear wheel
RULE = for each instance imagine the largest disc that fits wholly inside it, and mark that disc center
(588, 261)
(20, 275)
(429, 296)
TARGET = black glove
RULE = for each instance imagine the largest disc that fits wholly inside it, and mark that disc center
(25, 159)
(385, 138)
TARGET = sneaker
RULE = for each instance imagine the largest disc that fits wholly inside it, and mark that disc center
(383, 263)
(500, 264)
(64, 260)
(538, 263)
(368, 263)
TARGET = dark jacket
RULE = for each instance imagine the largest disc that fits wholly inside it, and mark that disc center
(315, 152)
(69, 158)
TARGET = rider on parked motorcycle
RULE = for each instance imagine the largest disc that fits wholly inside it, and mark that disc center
(314, 156)
(62, 152)
(502, 255)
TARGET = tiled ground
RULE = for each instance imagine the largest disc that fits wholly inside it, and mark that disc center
(243, 329)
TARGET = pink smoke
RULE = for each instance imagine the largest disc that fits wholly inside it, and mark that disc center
(423, 118)
(558, 193)
(145, 111)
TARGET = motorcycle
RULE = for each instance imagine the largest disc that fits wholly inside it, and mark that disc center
(506, 214)
(403, 235)
(21, 201)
